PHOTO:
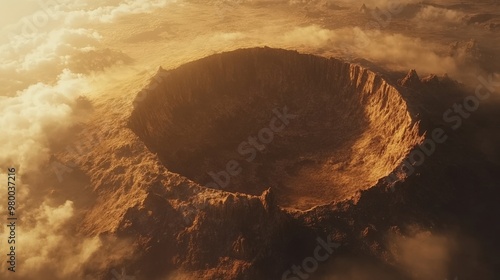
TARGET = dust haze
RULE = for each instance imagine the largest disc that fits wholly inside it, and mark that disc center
(71, 70)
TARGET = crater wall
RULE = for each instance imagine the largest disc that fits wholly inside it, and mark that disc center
(349, 128)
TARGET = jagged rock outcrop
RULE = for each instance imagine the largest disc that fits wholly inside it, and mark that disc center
(364, 9)
(411, 80)
(473, 53)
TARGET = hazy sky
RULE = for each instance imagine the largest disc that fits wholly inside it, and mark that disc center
(13, 10)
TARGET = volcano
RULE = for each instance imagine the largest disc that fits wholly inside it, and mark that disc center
(236, 165)
(347, 126)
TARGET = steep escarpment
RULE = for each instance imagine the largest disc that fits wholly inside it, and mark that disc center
(315, 130)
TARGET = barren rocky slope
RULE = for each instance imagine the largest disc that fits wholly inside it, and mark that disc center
(352, 129)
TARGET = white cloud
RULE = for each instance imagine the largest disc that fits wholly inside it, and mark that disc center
(83, 12)
(431, 14)
(29, 117)
(54, 48)
(395, 51)
(47, 249)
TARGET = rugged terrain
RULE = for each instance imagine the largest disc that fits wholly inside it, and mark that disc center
(329, 173)
(348, 127)
(269, 128)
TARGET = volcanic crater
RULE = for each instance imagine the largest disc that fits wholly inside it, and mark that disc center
(219, 122)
